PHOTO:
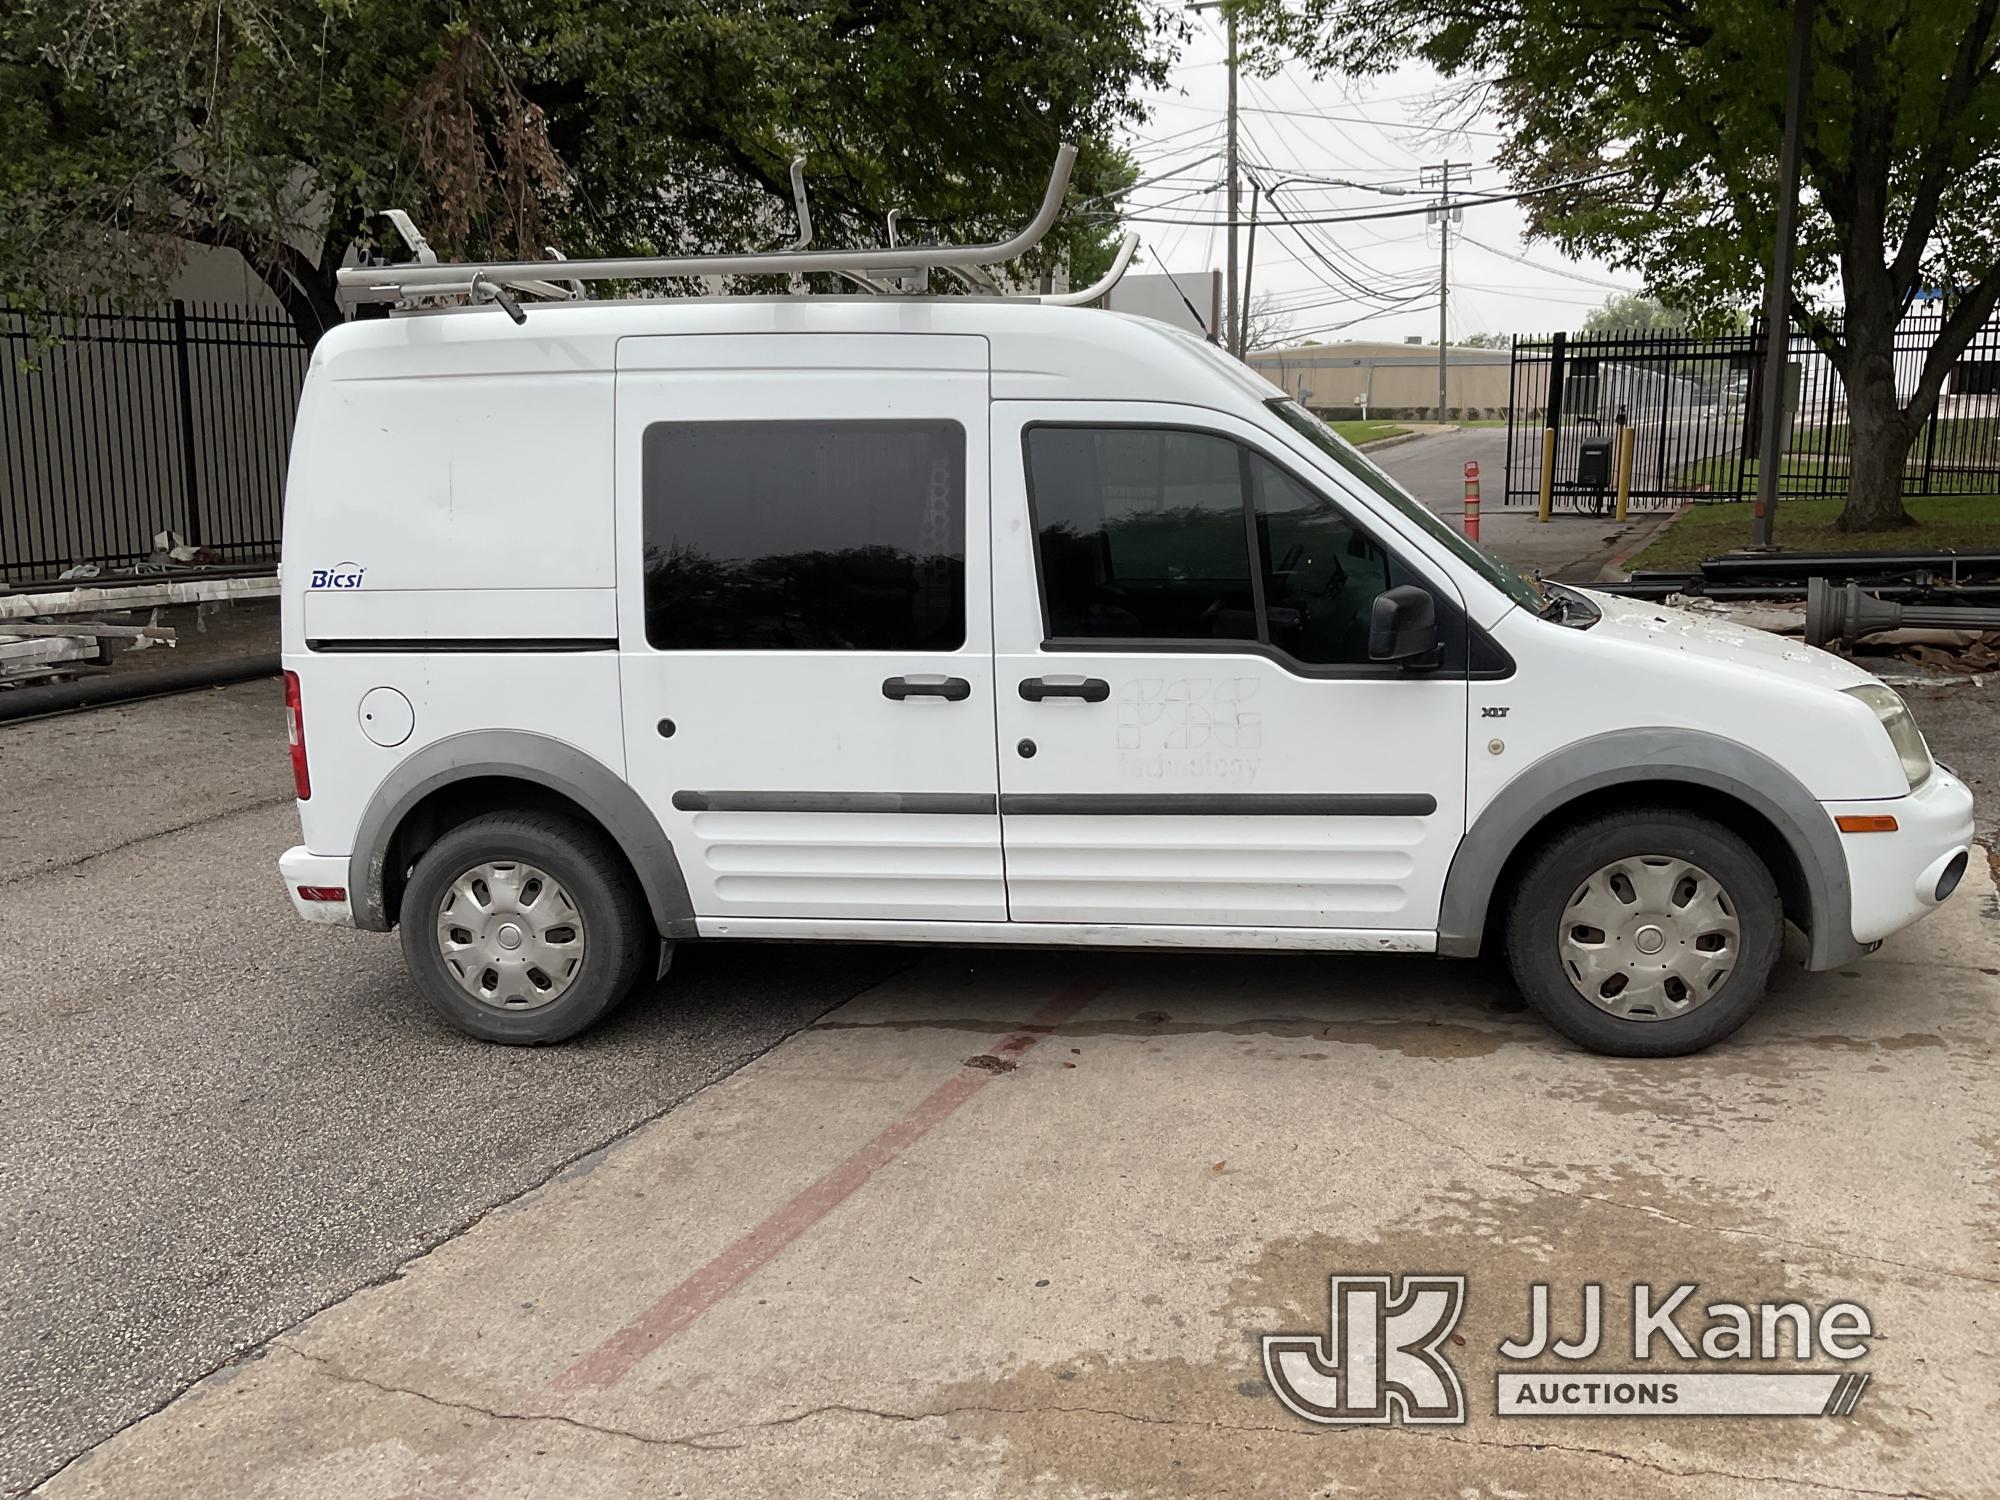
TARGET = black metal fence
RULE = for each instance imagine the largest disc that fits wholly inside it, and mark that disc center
(115, 427)
(1693, 402)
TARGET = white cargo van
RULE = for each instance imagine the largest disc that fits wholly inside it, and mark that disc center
(965, 620)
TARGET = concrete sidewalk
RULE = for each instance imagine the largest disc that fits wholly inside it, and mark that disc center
(1572, 548)
(1004, 1225)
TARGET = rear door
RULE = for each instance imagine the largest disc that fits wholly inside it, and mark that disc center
(805, 623)
(1191, 730)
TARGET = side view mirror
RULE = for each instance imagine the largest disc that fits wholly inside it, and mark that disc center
(1402, 624)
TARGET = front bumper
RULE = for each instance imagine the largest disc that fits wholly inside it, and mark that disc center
(312, 880)
(1895, 877)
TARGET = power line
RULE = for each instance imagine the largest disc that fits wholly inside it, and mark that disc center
(1403, 213)
(1523, 260)
(1315, 114)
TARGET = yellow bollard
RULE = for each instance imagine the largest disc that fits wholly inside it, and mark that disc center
(1548, 472)
(1627, 442)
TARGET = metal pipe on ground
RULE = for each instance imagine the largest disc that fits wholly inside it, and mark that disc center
(124, 687)
(1659, 588)
(1847, 614)
(1843, 564)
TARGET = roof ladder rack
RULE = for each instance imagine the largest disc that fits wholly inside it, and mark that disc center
(874, 268)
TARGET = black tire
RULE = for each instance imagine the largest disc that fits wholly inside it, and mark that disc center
(615, 924)
(1535, 929)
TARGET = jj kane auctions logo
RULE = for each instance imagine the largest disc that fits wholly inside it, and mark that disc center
(1383, 1357)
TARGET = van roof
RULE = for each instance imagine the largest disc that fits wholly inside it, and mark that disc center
(1037, 350)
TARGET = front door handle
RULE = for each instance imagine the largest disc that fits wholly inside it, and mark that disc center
(949, 688)
(1089, 689)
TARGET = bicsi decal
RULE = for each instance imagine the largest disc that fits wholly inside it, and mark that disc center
(343, 575)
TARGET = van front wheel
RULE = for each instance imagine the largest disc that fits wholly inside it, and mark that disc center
(1649, 933)
(522, 928)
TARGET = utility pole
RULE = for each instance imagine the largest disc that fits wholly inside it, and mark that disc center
(1778, 291)
(1440, 177)
(1235, 314)
(1233, 318)
(1249, 267)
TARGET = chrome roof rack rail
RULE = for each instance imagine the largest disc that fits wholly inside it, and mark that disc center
(902, 266)
(1103, 285)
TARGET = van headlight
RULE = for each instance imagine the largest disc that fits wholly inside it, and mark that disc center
(1894, 715)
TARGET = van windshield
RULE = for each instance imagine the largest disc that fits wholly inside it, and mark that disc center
(1525, 592)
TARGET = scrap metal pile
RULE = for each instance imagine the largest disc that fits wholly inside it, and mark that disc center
(1924, 578)
(1939, 609)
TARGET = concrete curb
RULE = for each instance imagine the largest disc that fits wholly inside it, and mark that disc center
(1613, 570)
(1397, 441)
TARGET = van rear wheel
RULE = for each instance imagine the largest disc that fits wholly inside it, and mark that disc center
(1649, 933)
(522, 928)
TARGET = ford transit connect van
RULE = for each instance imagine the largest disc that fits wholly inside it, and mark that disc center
(963, 620)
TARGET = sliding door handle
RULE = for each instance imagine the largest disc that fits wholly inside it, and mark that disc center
(1089, 689)
(949, 688)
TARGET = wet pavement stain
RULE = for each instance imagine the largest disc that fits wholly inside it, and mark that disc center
(1413, 1038)
(1906, 1042)
(1168, 1424)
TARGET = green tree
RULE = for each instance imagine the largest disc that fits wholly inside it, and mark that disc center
(1628, 310)
(130, 129)
(1684, 100)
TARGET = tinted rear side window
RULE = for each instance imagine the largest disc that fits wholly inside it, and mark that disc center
(805, 536)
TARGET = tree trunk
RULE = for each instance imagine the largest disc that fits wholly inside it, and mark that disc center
(1879, 431)
(306, 290)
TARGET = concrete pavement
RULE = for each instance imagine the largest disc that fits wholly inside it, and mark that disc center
(1012, 1224)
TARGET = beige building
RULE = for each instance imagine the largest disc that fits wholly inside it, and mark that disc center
(1389, 380)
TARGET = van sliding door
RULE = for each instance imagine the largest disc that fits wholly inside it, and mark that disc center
(805, 630)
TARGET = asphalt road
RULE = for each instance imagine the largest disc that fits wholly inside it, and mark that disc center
(1433, 468)
(215, 1119)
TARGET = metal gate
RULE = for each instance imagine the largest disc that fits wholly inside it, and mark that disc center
(117, 426)
(1692, 403)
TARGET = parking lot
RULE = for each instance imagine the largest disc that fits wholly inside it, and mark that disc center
(273, 1230)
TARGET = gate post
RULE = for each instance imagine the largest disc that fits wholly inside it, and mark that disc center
(190, 482)
(1558, 377)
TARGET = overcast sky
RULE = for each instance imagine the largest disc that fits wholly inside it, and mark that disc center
(1378, 278)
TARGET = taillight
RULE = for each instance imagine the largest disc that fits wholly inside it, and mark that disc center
(295, 733)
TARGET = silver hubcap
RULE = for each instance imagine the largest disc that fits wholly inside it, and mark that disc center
(1649, 938)
(510, 935)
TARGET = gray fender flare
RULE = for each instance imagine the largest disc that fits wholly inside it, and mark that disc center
(1639, 757)
(521, 756)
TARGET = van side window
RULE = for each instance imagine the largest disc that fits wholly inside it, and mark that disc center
(1146, 533)
(1141, 534)
(804, 536)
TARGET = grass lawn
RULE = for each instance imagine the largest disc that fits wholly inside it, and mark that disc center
(1358, 433)
(1944, 521)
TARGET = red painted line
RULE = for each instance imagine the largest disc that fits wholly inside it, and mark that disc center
(613, 1359)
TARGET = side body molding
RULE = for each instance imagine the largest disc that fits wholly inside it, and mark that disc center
(1640, 756)
(536, 758)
